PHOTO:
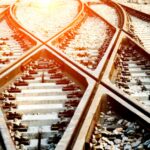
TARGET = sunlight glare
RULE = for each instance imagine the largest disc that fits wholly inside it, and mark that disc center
(44, 3)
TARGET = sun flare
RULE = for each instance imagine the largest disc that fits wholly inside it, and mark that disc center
(44, 3)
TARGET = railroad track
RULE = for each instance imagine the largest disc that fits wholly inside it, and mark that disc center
(139, 27)
(77, 83)
(128, 71)
(103, 8)
(77, 43)
(39, 103)
(142, 31)
(46, 23)
(87, 43)
(141, 6)
(13, 42)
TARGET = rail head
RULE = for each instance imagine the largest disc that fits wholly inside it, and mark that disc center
(137, 13)
(123, 15)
